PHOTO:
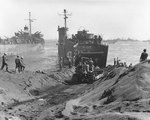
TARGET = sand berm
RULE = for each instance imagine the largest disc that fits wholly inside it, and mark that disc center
(120, 94)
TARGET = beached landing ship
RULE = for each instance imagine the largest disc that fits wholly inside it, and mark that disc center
(82, 45)
(25, 36)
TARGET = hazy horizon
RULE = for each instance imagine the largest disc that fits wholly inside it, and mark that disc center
(109, 18)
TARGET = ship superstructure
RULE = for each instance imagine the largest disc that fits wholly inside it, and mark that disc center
(83, 43)
(25, 36)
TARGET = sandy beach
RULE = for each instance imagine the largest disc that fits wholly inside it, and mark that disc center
(121, 93)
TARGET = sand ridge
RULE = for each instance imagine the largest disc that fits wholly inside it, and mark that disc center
(121, 93)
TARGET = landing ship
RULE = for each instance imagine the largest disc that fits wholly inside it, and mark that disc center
(80, 47)
(25, 36)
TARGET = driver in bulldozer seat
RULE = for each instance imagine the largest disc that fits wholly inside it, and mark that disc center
(78, 76)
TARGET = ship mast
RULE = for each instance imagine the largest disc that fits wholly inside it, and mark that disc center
(30, 26)
(30, 20)
(65, 18)
(30, 23)
(62, 31)
(65, 14)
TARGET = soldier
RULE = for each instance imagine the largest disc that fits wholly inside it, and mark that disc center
(69, 56)
(90, 61)
(91, 66)
(61, 63)
(130, 65)
(77, 59)
(97, 70)
(115, 61)
(90, 74)
(118, 61)
(85, 68)
(4, 62)
(18, 65)
(70, 62)
(79, 68)
(144, 56)
(22, 65)
(125, 64)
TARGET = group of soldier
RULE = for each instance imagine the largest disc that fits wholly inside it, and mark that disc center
(87, 71)
(117, 62)
(19, 63)
(86, 67)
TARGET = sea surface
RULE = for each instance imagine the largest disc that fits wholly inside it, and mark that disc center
(41, 57)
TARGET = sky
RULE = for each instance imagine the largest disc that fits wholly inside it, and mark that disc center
(108, 18)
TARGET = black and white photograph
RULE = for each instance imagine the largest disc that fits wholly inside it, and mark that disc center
(74, 60)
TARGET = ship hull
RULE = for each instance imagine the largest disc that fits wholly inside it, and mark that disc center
(99, 57)
(81, 47)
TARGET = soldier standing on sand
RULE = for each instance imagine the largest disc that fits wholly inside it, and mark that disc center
(115, 61)
(17, 62)
(144, 55)
(118, 61)
(70, 62)
(22, 65)
(61, 63)
(4, 62)
(69, 56)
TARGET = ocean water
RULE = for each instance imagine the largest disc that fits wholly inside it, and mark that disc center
(128, 52)
(39, 57)
(36, 57)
